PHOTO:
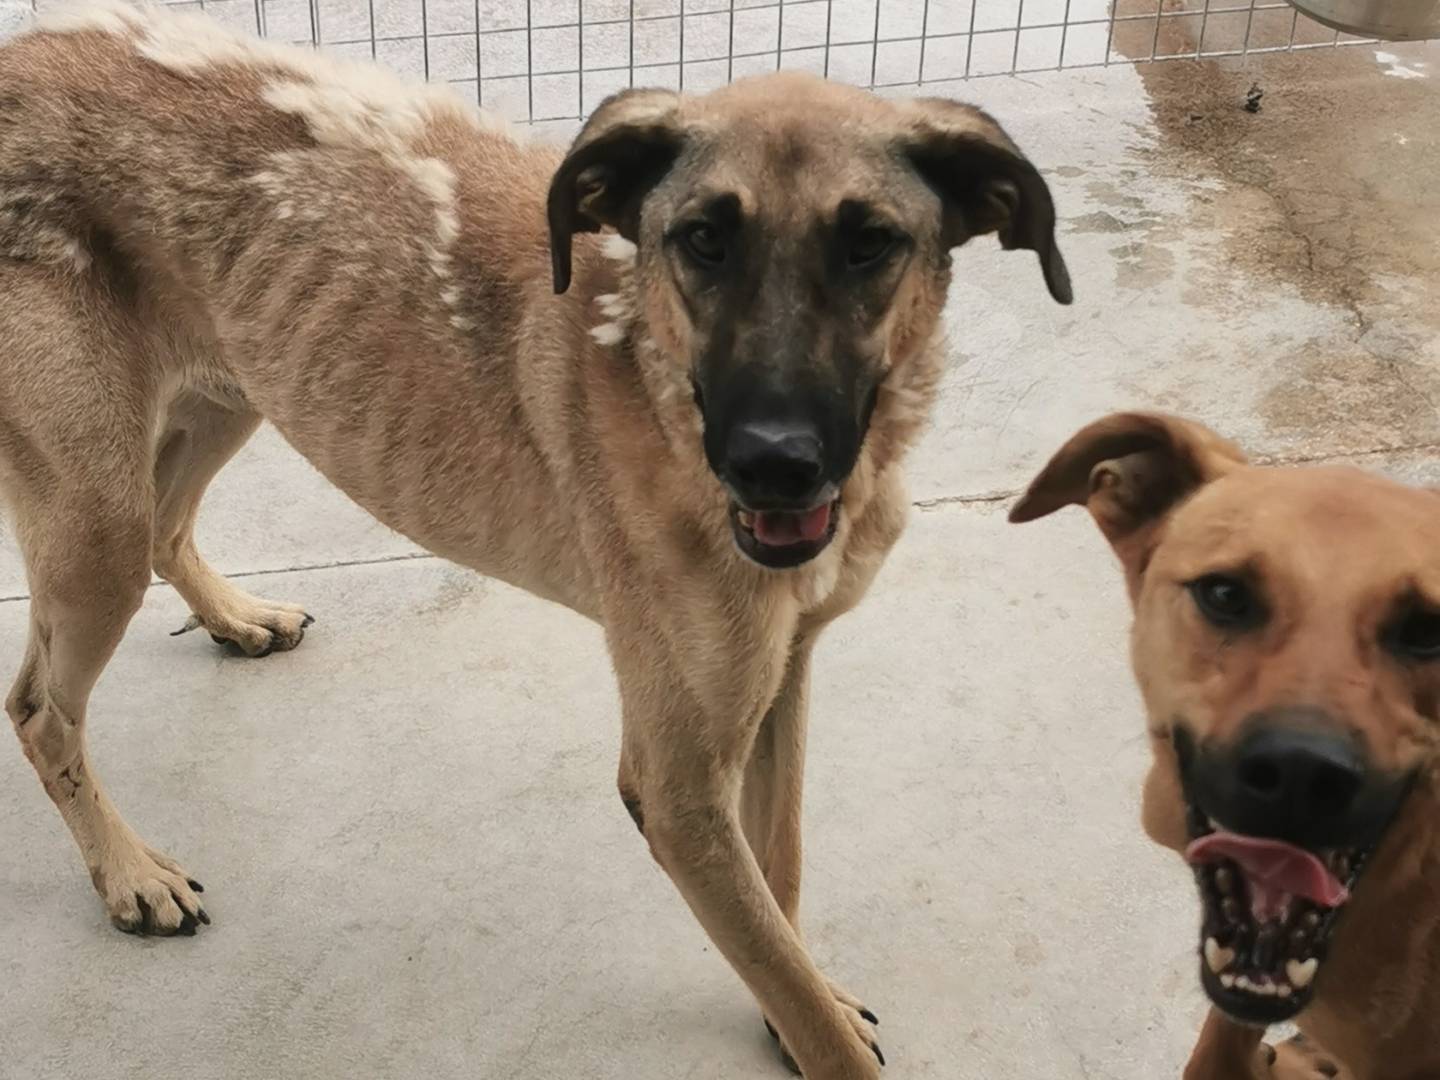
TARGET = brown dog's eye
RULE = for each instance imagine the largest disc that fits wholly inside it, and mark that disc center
(704, 244)
(1227, 602)
(1416, 636)
(870, 246)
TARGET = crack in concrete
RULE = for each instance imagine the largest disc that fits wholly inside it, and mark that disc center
(988, 497)
(937, 502)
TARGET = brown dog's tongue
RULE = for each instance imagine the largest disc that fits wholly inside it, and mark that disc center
(1273, 869)
(779, 528)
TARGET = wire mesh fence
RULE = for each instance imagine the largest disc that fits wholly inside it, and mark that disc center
(555, 60)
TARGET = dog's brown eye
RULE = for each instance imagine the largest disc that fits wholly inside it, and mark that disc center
(1416, 636)
(1227, 602)
(870, 246)
(704, 244)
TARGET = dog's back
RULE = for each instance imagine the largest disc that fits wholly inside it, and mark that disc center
(300, 236)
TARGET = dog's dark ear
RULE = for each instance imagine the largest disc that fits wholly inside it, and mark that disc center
(1129, 470)
(986, 183)
(623, 150)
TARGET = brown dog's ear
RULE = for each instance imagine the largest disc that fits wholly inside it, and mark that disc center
(986, 183)
(1129, 470)
(623, 150)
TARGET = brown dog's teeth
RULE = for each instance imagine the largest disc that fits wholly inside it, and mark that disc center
(1302, 973)
(1217, 957)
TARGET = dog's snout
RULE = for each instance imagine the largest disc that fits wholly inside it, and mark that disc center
(775, 463)
(1296, 775)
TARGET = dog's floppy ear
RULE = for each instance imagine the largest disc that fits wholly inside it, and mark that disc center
(623, 150)
(986, 183)
(1130, 470)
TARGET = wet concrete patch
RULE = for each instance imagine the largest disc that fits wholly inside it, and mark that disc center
(1327, 192)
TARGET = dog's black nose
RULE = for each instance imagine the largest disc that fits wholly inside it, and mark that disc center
(1314, 775)
(774, 463)
(1296, 775)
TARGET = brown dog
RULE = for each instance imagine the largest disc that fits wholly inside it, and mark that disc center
(1287, 646)
(697, 443)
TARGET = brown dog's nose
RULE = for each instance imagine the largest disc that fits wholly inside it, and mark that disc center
(1309, 774)
(1295, 775)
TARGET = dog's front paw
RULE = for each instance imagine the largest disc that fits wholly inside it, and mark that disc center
(1301, 1059)
(256, 627)
(146, 892)
(861, 1019)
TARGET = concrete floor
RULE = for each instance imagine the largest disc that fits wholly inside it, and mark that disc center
(408, 831)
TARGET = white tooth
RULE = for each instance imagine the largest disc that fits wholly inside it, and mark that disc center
(1227, 981)
(1217, 957)
(1302, 975)
(1243, 982)
(1283, 990)
(746, 518)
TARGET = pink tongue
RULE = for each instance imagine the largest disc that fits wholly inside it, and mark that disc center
(1273, 870)
(780, 528)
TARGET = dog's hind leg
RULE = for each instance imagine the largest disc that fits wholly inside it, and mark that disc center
(199, 437)
(76, 424)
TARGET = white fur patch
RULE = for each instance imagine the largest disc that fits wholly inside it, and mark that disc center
(608, 333)
(345, 96)
(616, 247)
(78, 256)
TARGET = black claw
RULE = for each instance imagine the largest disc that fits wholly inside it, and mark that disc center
(878, 1054)
(784, 1054)
(789, 1061)
(866, 1014)
(203, 917)
(188, 922)
(269, 648)
(195, 886)
(307, 620)
(221, 640)
(147, 917)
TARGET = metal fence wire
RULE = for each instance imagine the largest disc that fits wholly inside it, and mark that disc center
(555, 60)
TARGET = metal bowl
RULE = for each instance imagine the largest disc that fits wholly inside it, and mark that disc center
(1392, 20)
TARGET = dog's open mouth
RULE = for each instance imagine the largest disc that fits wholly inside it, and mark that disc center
(1269, 911)
(784, 538)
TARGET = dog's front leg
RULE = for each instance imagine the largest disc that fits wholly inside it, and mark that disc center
(774, 784)
(691, 720)
(771, 802)
(1229, 1051)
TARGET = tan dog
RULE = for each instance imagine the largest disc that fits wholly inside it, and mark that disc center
(1287, 646)
(697, 443)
